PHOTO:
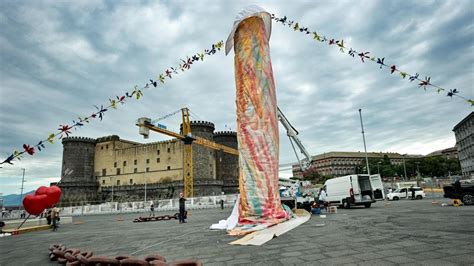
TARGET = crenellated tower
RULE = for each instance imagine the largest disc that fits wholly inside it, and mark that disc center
(78, 157)
(227, 165)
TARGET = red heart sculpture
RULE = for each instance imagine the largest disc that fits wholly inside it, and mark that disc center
(53, 194)
(34, 204)
(41, 190)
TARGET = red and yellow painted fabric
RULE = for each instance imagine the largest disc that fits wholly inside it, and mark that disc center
(257, 128)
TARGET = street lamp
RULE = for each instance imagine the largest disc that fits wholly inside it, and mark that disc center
(404, 167)
(365, 147)
(418, 169)
(22, 181)
(378, 167)
(112, 188)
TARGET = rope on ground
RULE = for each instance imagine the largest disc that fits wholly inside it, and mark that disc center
(74, 256)
(159, 218)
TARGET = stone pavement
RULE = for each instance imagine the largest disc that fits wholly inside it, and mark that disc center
(402, 232)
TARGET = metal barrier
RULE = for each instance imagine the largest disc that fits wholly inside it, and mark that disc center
(206, 202)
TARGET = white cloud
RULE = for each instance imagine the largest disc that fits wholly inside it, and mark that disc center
(59, 59)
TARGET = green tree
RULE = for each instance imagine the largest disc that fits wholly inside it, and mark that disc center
(315, 177)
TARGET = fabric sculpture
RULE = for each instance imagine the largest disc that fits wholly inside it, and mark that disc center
(257, 124)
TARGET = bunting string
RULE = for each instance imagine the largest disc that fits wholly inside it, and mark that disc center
(365, 56)
(136, 92)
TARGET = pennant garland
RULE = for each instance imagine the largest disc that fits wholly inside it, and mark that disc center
(137, 93)
(366, 56)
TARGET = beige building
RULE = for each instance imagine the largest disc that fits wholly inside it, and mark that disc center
(345, 163)
(464, 133)
(449, 153)
(120, 162)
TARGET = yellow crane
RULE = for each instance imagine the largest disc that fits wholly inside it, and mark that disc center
(145, 125)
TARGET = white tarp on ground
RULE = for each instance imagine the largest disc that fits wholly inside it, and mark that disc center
(259, 238)
(231, 221)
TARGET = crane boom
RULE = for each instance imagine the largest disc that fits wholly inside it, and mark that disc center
(293, 136)
(145, 125)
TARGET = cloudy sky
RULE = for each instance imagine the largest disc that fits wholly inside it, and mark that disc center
(58, 59)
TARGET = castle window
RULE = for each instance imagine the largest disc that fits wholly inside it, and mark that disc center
(135, 170)
(115, 164)
(104, 172)
(158, 152)
(118, 171)
(103, 182)
(131, 181)
(106, 146)
(124, 163)
(168, 168)
(169, 150)
(101, 147)
(118, 182)
(147, 160)
(135, 162)
(157, 160)
(148, 169)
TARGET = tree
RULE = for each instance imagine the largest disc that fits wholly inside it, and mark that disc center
(311, 174)
(315, 177)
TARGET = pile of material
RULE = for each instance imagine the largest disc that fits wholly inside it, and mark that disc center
(159, 218)
(74, 256)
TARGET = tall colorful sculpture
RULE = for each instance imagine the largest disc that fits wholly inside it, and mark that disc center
(257, 123)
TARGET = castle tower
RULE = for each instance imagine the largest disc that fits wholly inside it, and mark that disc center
(204, 160)
(81, 184)
(227, 165)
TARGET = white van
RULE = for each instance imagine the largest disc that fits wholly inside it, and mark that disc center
(354, 190)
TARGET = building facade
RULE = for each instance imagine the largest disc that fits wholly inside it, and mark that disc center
(464, 133)
(346, 163)
(110, 168)
(449, 153)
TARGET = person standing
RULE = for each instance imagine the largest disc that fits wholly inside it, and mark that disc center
(322, 199)
(48, 216)
(152, 210)
(55, 217)
(221, 201)
(412, 189)
(182, 208)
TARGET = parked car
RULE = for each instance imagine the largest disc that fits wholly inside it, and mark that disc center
(405, 193)
(460, 190)
(354, 190)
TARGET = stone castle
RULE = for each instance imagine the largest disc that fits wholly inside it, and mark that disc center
(110, 168)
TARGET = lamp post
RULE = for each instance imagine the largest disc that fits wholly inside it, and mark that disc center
(363, 137)
(404, 167)
(418, 169)
(378, 167)
(145, 187)
(22, 182)
(112, 188)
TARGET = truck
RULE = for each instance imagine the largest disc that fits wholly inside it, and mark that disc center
(463, 190)
(405, 193)
(351, 190)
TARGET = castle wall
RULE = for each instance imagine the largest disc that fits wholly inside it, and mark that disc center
(138, 164)
(111, 164)
(159, 191)
(227, 165)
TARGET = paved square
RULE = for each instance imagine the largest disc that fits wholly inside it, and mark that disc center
(401, 232)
